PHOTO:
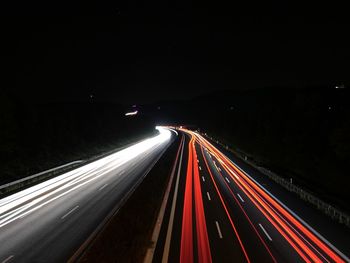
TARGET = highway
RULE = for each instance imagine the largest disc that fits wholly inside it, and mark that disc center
(54, 220)
(217, 212)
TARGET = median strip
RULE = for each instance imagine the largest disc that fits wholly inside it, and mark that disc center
(173, 205)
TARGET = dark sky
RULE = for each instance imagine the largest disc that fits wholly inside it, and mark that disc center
(134, 51)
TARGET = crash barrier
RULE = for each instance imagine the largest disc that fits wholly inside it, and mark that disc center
(321, 205)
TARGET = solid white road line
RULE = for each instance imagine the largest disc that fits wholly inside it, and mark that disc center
(71, 211)
(172, 212)
(203, 178)
(240, 197)
(102, 187)
(7, 259)
(159, 222)
(208, 196)
(263, 229)
(227, 180)
(218, 228)
(200, 168)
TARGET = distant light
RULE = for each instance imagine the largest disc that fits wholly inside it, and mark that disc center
(158, 107)
(329, 107)
(134, 106)
(131, 113)
(340, 87)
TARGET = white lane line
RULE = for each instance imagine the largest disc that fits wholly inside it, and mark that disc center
(263, 229)
(227, 180)
(200, 168)
(294, 214)
(208, 196)
(240, 197)
(288, 209)
(35, 196)
(218, 228)
(197, 161)
(71, 211)
(7, 259)
(172, 212)
(219, 169)
(122, 172)
(148, 258)
(216, 166)
(203, 178)
(102, 187)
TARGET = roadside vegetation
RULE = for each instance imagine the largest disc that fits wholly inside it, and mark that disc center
(298, 133)
(37, 137)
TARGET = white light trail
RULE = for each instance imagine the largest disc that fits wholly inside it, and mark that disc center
(131, 113)
(33, 198)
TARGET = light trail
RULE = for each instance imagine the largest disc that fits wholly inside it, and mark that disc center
(294, 241)
(24, 202)
(274, 212)
(242, 209)
(204, 254)
(226, 210)
(131, 113)
(186, 249)
(193, 192)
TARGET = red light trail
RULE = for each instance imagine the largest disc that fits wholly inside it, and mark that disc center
(279, 217)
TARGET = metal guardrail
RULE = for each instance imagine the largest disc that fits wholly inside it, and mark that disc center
(11, 187)
(29, 180)
(321, 205)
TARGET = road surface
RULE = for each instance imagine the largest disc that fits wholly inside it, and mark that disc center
(216, 212)
(49, 222)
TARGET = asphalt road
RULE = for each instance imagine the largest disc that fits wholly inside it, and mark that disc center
(217, 212)
(50, 221)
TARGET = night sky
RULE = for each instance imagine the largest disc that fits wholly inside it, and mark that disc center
(140, 52)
